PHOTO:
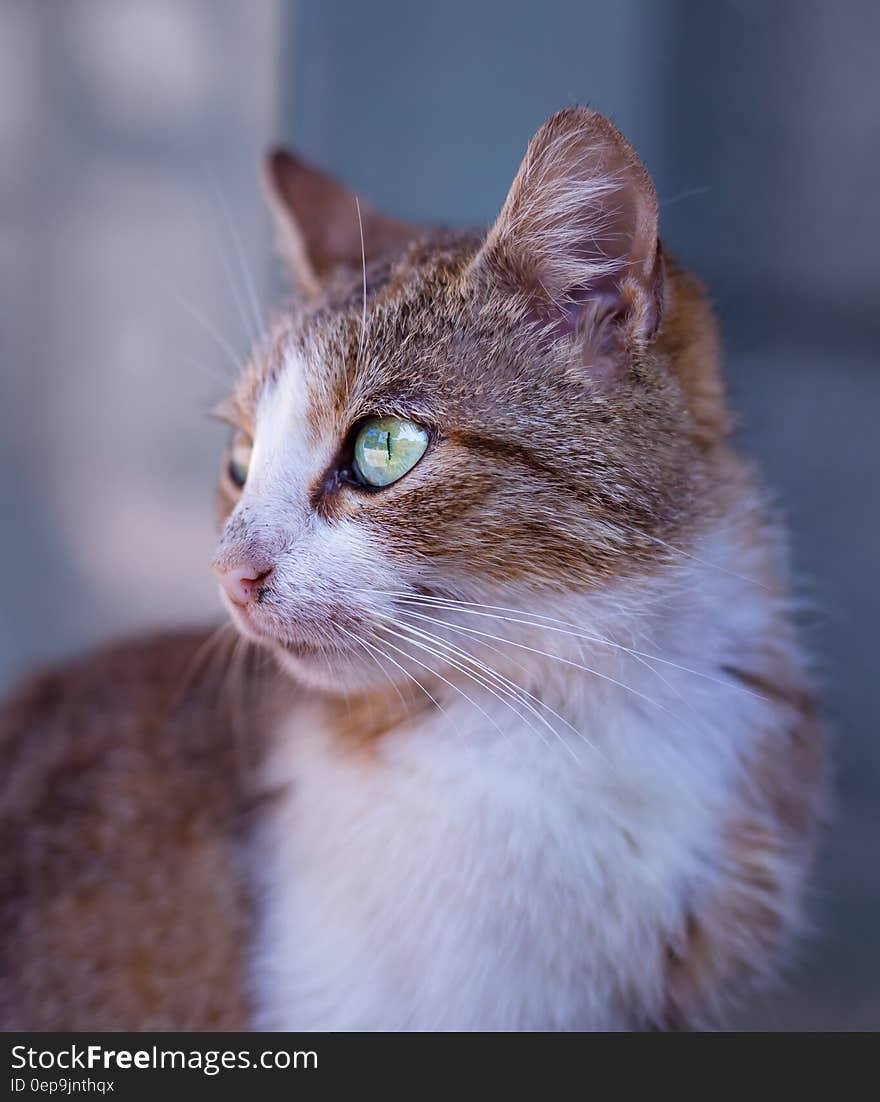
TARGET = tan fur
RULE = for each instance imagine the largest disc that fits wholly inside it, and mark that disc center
(772, 832)
(122, 813)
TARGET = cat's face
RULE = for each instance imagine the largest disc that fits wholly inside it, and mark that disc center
(494, 424)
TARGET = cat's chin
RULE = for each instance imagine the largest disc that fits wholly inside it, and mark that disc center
(337, 674)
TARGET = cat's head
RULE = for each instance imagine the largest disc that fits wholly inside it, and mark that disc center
(445, 417)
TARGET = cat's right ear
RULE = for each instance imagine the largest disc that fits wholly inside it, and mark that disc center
(320, 224)
(576, 242)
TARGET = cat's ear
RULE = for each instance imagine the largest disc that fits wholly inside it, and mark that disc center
(317, 221)
(576, 240)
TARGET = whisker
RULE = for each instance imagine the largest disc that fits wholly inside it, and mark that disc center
(215, 374)
(486, 674)
(690, 193)
(246, 753)
(221, 637)
(405, 672)
(644, 662)
(548, 654)
(250, 286)
(596, 673)
(214, 333)
(482, 681)
(391, 680)
(518, 691)
(452, 686)
(695, 558)
(363, 333)
(472, 608)
(703, 722)
(250, 334)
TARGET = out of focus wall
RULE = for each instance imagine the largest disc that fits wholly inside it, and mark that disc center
(129, 141)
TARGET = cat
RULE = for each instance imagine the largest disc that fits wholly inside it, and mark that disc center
(525, 740)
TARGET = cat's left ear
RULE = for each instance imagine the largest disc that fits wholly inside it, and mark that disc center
(317, 222)
(576, 241)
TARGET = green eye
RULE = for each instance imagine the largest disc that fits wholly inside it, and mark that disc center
(386, 448)
(239, 459)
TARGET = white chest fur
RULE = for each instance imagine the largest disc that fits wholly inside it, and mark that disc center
(457, 880)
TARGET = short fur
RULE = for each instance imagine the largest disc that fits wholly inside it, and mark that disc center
(554, 760)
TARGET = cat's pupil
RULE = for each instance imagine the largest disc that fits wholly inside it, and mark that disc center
(239, 460)
(386, 448)
(237, 473)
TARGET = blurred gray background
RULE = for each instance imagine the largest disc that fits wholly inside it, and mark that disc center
(129, 140)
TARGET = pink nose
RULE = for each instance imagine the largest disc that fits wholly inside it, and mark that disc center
(242, 584)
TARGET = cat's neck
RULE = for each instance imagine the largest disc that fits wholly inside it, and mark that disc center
(446, 819)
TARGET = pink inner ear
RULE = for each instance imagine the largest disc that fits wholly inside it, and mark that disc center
(603, 315)
(595, 316)
(596, 321)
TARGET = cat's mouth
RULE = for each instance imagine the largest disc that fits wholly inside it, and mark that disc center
(322, 641)
(261, 629)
